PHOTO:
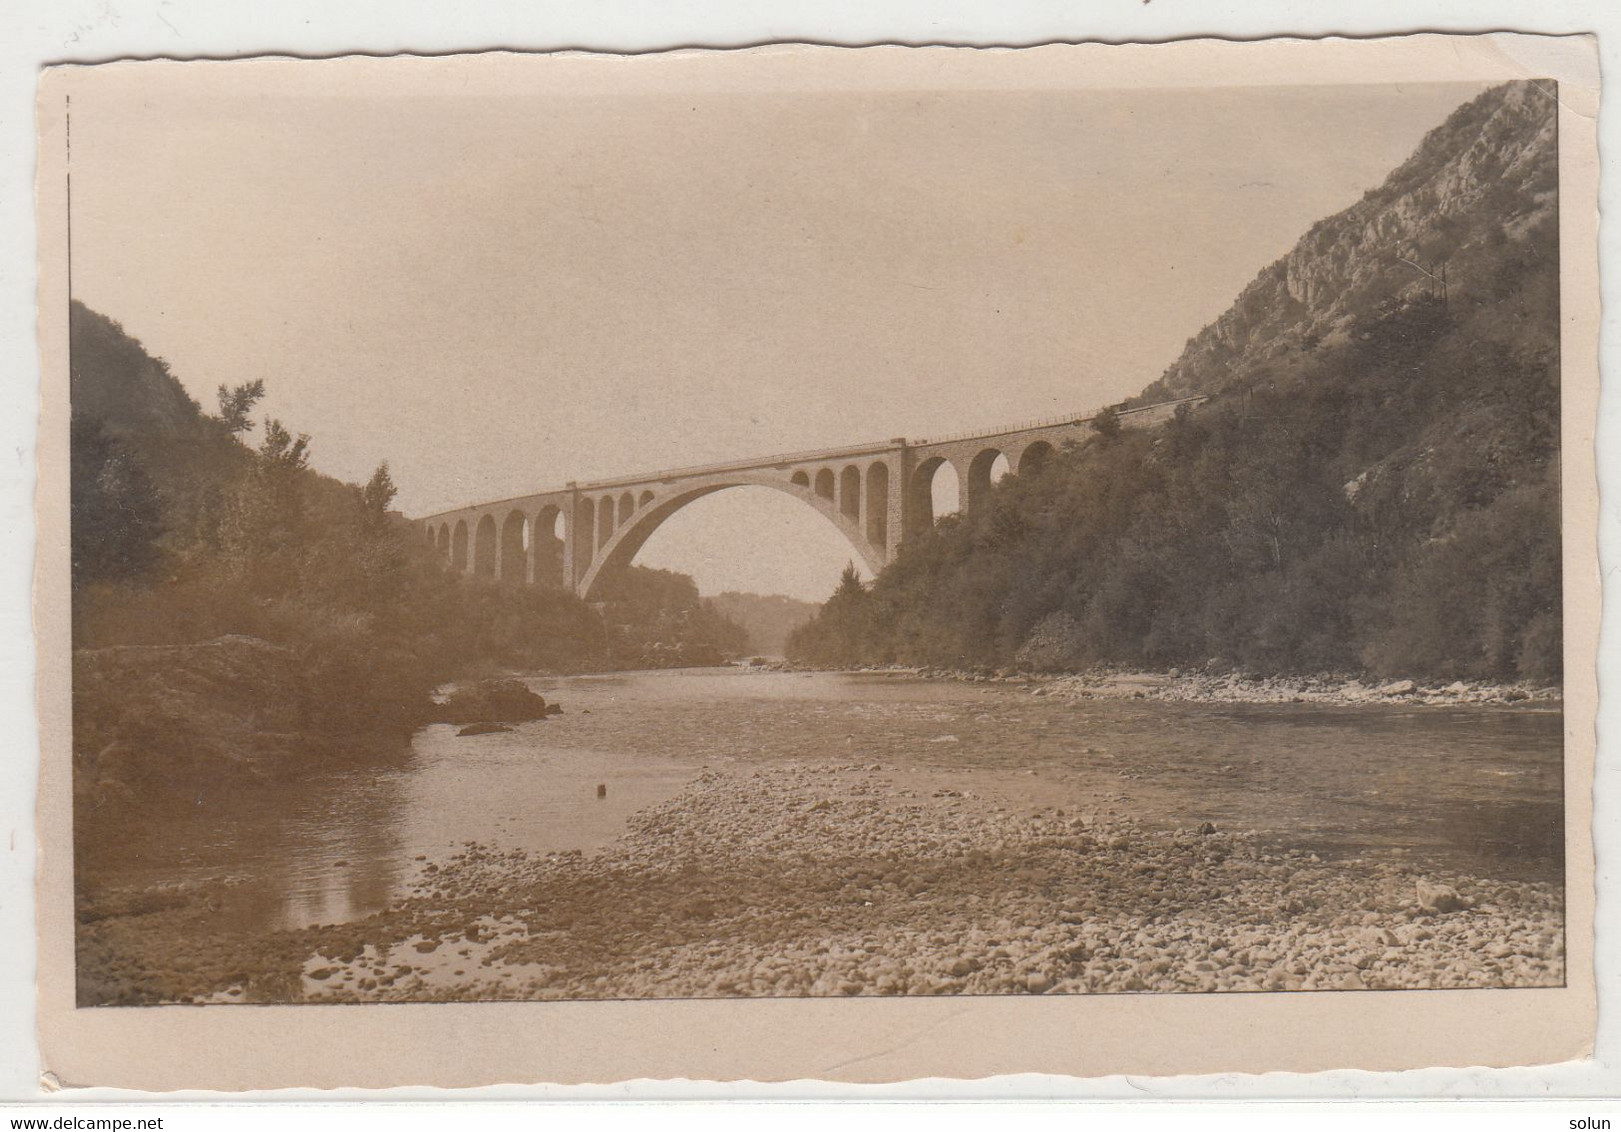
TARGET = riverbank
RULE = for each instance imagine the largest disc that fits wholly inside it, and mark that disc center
(205, 719)
(846, 879)
(1177, 685)
(1321, 689)
(238, 713)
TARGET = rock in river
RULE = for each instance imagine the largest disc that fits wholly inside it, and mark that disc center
(489, 701)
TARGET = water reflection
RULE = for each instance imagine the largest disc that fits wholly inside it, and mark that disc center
(324, 849)
(340, 845)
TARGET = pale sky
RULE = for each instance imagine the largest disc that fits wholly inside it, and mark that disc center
(500, 289)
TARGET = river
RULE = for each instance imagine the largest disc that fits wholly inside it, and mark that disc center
(1475, 790)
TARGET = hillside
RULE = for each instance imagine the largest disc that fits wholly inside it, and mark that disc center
(1481, 180)
(113, 379)
(655, 619)
(1373, 484)
(767, 618)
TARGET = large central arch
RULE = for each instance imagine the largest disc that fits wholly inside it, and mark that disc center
(622, 547)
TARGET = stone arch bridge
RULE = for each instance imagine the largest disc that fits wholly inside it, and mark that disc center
(875, 494)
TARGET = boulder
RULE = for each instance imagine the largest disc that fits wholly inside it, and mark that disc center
(1379, 937)
(1396, 688)
(489, 701)
(1438, 897)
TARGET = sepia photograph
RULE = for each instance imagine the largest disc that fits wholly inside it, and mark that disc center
(563, 528)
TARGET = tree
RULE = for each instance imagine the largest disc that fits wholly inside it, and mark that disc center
(281, 450)
(114, 514)
(842, 630)
(850, 587)
(379, 491)
(236, 404)
(1107, 423)
(263, 510)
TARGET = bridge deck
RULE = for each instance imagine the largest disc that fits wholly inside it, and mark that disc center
(813, 456)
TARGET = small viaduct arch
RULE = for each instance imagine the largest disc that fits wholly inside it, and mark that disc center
(875, 495)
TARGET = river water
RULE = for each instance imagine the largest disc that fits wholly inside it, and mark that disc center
(1473, 790)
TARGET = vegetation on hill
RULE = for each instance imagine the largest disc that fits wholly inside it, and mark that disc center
(656, 619)
(1381, 497)
(192, 548)
(768, 618)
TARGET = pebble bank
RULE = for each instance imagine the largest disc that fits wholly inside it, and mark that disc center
(826, 881)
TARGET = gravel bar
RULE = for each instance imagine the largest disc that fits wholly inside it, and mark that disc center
(828, 880)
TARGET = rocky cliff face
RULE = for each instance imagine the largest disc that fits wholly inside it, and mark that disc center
(1477, 185)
